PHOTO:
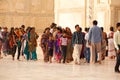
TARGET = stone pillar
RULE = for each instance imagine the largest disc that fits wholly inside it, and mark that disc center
(89, 12)
(112, 15)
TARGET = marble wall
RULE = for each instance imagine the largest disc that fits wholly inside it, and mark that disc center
(37, 13)
(68, 13)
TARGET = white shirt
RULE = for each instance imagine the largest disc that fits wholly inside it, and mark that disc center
(63, 41)
(117, 39)
(86, 38)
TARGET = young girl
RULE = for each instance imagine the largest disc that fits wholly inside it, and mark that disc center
(50, 46)
(64, 42)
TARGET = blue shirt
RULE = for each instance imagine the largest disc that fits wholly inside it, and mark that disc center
(95, 34)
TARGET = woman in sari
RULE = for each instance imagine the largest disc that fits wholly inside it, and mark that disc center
(104, 43)
(5, 41)
(25, 41)
(33, 43)
(69, 46)
(43, 43)
(12, 42)
(58, 53)
(0, 42)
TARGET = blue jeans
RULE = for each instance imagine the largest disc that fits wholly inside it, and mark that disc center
(87, 54)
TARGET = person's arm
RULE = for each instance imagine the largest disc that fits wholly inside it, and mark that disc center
(101, 35)
(47, 46)
(41, 40)
(89, 36)
(115, 38)
(73, 39)
(61, 41)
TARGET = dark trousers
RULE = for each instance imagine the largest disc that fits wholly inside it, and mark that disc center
(19, 48)
(13, 50)
(117, 61)
(64, 51)
(87, 54)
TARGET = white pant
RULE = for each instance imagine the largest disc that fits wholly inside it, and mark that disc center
(77, 53)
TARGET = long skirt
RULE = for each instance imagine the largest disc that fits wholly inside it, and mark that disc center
(26, 52)
(58, 53)
(45, 53)
(69, 51)
(6, 47)
(34, 55)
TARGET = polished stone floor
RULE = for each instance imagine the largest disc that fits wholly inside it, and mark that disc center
(38, 70)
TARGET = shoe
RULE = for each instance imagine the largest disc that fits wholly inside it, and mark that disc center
(18, 59)
(78, 64)
(117, 71)
(1, 57)
(63, 62)
(13, 58)
(99, 62)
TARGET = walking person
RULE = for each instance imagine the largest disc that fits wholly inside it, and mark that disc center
(19, 37)
(111, 46)
(87, 47)
(64, 42)
(50, 46)
(95, 39)
(25, 43)
(0, 42)
(104, 43)
(43, 43)
(77, 42)
(69, 45)
(33, 43)
(5, 41)
(117, 46)
(12, 42)
(58, 53)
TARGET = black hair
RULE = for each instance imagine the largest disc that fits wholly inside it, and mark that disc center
(53, 25)
(46, 29)
(80, 29)
(102, 29)
(60, 29)
(22, 26)
(95, 22)
(0, 27)
(76, 25)
(118, 25)
(12, 31)
(86, 29)
(111, 28)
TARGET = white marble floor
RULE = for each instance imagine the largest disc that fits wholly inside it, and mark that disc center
(38, 70)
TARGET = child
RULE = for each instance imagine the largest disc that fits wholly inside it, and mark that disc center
(64, 41)
(50, 46)
(87, 48)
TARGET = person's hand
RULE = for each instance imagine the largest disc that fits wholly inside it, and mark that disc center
(118, 51)
(89, 43)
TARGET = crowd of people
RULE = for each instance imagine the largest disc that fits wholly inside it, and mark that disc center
(63, 45)
(20, 41)
(60, 44)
